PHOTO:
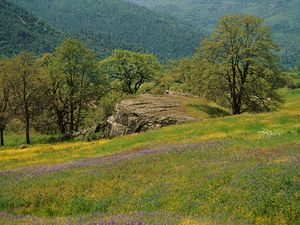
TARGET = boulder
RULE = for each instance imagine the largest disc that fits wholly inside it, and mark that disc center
(23, 146)
(144, 113)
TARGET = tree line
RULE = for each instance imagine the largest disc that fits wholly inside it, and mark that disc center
(63, 86)
(60, 92)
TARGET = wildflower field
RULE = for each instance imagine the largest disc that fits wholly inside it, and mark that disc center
(228, 170)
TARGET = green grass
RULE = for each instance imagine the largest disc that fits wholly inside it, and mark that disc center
(251, 177)
(212, 111)
(13, 139)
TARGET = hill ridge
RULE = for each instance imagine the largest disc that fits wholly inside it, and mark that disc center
(283, 17)
(20, 30)
(119, 24)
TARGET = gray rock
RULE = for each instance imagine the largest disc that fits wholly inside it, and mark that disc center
(144, 113)
(23, 146)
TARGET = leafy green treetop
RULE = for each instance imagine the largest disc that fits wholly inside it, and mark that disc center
(239, 62)
(131, 69)
(73, 78)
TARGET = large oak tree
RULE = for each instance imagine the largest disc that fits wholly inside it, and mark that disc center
(73, 83)
(132, 69)
(239, 63)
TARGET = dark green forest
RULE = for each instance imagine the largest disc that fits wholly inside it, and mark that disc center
(169, 29)
(282, 16)
(19, 31)
(111, 24)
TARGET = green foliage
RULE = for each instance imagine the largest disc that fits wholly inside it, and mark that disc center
(111, 24)
(53, 93)
(105, 108)
(73, 83)
(282, 16)
(294, 81)
(212, 111)
(16, 139)
(180, 76)
(108, 103)
(21, 31)
(131, 69)
(27, 85)
(5, 97)
(239, 64)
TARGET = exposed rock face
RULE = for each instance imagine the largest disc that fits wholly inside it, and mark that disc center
(144, 113)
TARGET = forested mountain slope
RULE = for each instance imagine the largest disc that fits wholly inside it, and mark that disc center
(21, 31)
(282, 15)
(121, 24)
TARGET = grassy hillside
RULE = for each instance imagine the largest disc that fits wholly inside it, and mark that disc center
(117, 24)
(20, 30)
(233, 170)
(283, 17)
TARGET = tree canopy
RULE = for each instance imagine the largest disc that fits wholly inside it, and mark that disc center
(27, 87)
(238, 62)
(74, 81)
(131, 69)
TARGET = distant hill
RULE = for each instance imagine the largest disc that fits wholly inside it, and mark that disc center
(282, 15)
(20, 30)
(118, 24)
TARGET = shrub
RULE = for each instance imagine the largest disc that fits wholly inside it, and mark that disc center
(105, 109)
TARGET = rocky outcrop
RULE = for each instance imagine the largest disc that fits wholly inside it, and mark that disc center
(144, 113)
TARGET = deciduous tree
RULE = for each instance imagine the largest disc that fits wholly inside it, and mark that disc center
(131, 69)
(239, 62)
(5, 97)
(74, 83)
(26, 86)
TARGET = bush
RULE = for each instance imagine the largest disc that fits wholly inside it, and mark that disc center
(15, 126)
(105, 109)
(45, 123)
(294, 86)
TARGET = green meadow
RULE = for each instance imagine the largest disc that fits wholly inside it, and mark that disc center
(222, 170)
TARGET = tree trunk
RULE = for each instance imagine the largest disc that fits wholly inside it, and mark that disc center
(27, 126)
(26, 110)
(236, 107)
(2, 136)
(72, 117)
(60, 122)
(235, 111)
(78, 119)
(2, 127)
